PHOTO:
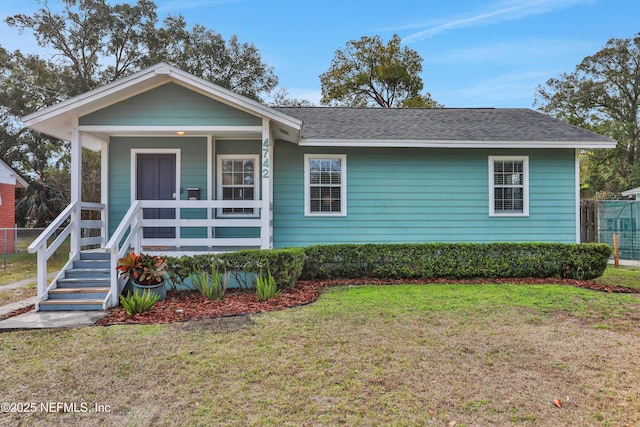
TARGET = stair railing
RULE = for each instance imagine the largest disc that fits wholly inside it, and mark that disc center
(45, 251)
(125, 236)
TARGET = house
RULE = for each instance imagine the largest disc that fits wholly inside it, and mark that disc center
(188, 166)
(10, 183)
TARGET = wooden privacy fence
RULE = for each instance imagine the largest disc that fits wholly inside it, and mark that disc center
(589, 221)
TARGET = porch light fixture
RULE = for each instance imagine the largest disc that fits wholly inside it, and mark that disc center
(181, 133)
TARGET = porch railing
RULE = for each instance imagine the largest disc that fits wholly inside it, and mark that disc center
(85, 239)
(129, 233)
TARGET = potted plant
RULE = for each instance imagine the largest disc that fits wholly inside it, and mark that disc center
(145, 272)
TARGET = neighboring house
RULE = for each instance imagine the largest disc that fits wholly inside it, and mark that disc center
(10, 183)
(192, 167)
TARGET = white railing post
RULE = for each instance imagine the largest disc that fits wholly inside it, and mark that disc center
(138, 237)
(41, 273)
(113, 274)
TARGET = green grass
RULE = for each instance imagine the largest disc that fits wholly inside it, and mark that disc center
(621, 276)
(362, 355)
(22, 265)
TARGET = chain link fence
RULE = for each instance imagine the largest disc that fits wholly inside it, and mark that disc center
(621, 217)
(14, 241)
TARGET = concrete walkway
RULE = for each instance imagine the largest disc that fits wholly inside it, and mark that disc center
(43, 319)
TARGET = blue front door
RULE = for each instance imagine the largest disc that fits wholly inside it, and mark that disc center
(156, 180)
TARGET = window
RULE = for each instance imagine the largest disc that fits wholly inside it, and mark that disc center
(508, 186)
(325, 184)
(237, 180)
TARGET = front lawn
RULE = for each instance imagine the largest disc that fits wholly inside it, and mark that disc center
(462, 355)
(621, 276)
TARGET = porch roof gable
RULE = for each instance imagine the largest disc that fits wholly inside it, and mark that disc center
(57, 119)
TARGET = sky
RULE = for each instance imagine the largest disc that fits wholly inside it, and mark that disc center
(476, 53)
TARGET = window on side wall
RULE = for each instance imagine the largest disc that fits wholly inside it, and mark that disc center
(325, 185)
(237, 180)
(508, 186)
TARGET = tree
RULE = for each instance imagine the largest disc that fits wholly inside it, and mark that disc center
(367, 72)
(200, 51)
(27, 84)
(603, 95)
(281, 98)
(96, 42)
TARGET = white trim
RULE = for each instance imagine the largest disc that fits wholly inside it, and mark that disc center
(439, 143)
(256, 181)
(14, 177)
(104, 188)
(577, 189)
(525, 187)
(126, 130)
(343, 185)
(134, 166)
(76, 186)
(266, 185)
(211, 144)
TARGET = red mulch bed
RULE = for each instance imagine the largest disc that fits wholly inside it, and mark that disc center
(189, 305)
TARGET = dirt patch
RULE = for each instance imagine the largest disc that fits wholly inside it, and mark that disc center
(217, 324)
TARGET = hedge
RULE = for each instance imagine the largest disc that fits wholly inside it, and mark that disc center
(456, 260)
(285, 265)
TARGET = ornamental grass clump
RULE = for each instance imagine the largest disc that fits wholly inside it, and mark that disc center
(211, 286)
(266, 287)
(138, 302)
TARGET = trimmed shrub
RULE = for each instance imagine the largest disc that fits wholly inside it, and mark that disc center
(285, 265)
(456, 260)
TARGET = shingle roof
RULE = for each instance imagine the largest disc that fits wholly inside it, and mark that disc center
(437, 124)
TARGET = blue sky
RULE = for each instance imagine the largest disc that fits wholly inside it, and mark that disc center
(476, 53)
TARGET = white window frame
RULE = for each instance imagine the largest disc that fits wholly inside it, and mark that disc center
(343, 184)
(525, 186)
(256, 183)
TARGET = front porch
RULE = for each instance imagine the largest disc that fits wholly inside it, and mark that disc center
(186, 167)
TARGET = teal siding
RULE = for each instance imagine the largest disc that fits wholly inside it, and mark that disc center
(193, 153)
(170, 105)
(424, 195)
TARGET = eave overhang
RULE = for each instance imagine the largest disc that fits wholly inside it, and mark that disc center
(412, 143)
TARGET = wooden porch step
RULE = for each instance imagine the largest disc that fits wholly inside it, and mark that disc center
(71, 301)
(92, 304)
(78, 290)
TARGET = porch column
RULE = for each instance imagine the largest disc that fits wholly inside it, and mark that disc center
(76, 186)
(104, 191)
(266, 172)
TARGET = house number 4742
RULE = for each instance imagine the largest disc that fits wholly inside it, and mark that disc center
(265, 159)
